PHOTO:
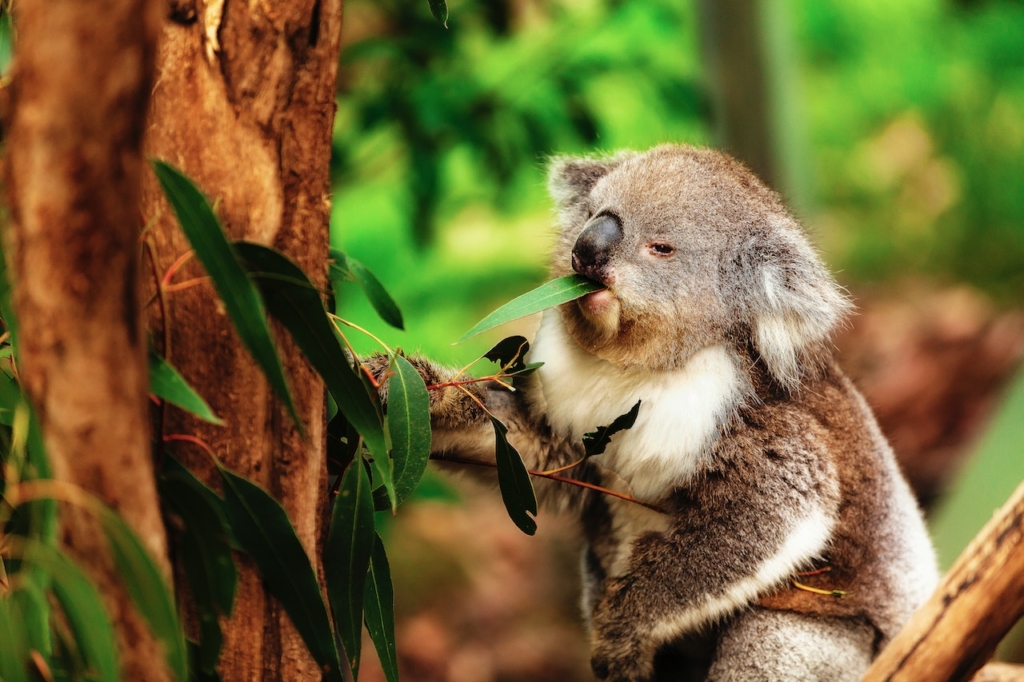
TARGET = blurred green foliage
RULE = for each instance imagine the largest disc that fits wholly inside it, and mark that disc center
(916, 121)
(913, 122)
(450, 128)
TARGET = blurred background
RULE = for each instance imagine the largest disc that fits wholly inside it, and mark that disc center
(894, 130)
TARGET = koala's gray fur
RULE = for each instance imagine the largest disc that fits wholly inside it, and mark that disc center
(764, 457)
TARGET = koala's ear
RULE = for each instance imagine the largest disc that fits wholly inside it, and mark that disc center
(571, 178)
(797, 302)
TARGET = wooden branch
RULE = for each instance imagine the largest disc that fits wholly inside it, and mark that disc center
(1000, 672)
(975, 605)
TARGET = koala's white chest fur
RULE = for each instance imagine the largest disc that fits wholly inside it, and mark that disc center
(680, 413)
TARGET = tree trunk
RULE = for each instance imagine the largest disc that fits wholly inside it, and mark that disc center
(80, 89)
(747, 48)
(244, 105)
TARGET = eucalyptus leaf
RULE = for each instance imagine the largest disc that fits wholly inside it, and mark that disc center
(379, 607)
(381, 499)
(263, 528)
(43, 511)
(509, 353)
(145, 585)
(166, 383)
(514, 481)
(347, 557)
(35, 610)
(293, 300)
(172, 469)
(240, 297)
(86, 616)
(14, 644)
(547, 295)
(207, 562)
(10, 397)
(596, 441)
(338, 267)
(384, 478)
(371, 287)
(195, 672)
(7, 315)
(408, 420)
(439, 8)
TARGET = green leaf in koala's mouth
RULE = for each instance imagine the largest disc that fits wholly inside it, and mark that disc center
(555, 292)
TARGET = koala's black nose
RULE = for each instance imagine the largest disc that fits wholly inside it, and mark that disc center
(591, 253)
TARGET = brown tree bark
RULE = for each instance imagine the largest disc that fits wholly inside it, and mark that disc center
(244, 105)
(79, 94)
(975, 605)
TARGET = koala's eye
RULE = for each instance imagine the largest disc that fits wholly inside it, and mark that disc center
(659, 249)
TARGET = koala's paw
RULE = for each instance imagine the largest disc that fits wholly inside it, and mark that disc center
(619, 655)
(378, 364)
(620, 666)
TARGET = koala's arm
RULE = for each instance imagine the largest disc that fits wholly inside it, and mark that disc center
(462, 431)
(739, 531)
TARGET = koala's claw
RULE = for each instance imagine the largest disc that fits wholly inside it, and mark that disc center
(621, 661)
(377, 365)
(620, 670)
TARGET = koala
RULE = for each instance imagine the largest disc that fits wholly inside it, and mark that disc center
(777, 539)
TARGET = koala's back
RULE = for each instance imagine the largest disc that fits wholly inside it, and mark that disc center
(879, 554)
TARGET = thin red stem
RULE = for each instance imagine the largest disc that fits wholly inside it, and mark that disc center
(182, 259)
(185, 285)
(185, 438)
(560, 479)
(464, 382)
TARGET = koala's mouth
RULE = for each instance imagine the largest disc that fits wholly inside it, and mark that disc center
(598, 304)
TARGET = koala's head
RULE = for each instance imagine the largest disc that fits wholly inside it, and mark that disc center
(694, 251)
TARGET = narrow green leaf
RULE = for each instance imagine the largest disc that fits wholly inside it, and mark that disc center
(596, 441)
(380, 610)
(43, 511)
(195, 671)
(81, 604)
(338, 267)
(172, 469)
(294, 301)
(509, 352)
(10, 397)
(239, 295)
(384, 479)
(7, 315)
(439, 8)
(378, 296)
(14, 646)
(263, 528)
(344, 267)
(35, 610)
(514, 481)
(347, 557)
(206, 558)
(408, 420)
(167, 384)
(147, 588)
(555, 292)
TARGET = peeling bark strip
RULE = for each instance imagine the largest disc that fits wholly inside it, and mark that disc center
(83, 74)
(975, 605)
(244, 105)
